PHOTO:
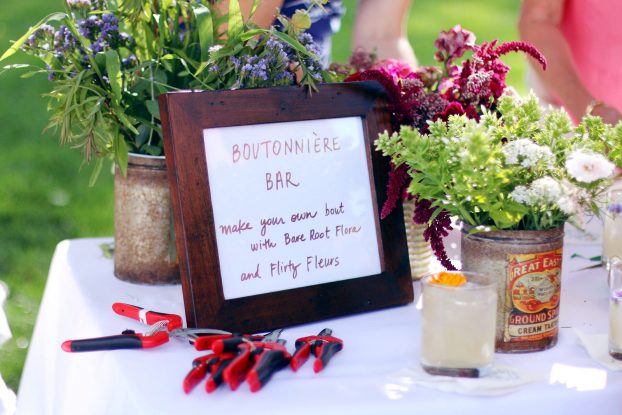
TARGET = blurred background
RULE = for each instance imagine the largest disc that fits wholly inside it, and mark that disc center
(44, 192)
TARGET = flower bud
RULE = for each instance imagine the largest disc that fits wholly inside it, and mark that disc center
(301, 20)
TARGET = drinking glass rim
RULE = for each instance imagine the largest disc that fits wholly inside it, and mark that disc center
(477, 285)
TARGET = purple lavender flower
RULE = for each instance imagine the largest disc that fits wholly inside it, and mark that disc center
(97, 47)
(86, 26)
(32, 40)
(64, 39)
(130, 61)
(51, 75)
(615, 208)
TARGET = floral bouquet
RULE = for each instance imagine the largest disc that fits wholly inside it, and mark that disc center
(108, 61)
(466, 147)
(516, 167)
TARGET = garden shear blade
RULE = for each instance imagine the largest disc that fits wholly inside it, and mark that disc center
(162, 328)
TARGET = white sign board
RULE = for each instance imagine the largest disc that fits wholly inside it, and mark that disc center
(292, 204)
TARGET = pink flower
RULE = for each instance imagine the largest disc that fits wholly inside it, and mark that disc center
(453, 43)
(396, 69)
(433, 93)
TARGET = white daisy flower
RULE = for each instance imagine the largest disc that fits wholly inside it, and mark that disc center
(587, 167)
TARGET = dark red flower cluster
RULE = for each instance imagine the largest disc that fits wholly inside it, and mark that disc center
(432, 93)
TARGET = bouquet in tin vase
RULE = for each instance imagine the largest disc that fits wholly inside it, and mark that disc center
(107, 61)
(424, 100)
(513, 177)
(517, 167)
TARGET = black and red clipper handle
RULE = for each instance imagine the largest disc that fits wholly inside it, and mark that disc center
(217, 370)
(324, 353)
(194, 377)
(128, 340)
(146, 316)
(266, 364)
(224, 343)
(230, 345)
(204, 365)
(323, 346)
(235, 373)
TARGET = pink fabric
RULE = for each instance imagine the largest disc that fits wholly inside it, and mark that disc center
(592, 28)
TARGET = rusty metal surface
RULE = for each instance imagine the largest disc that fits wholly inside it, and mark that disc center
(488, 253)
(144, 246)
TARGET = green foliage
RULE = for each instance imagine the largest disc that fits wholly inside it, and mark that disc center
(35, 176)
(108, 65)
(520, 169)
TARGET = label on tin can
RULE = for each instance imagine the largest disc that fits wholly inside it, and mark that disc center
(532, 296)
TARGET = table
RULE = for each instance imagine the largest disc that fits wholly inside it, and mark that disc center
(81, 287)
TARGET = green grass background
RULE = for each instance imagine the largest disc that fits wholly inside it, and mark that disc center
(44, 193)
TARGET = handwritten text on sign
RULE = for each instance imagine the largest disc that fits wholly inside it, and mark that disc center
(292, 204)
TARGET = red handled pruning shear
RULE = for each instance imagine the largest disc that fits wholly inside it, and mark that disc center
(257, 362)
(213, 364)
(323, 346)
(162, 328)
(241, 352)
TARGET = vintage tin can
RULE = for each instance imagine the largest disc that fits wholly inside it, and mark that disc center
(527, 265)
(144, 250)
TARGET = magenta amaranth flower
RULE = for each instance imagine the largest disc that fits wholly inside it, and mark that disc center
(433, 93)
(437, 229)
(396, 69)
(453, 43)
(398, 179)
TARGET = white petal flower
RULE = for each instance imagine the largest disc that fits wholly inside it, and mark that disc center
(546, 190)
(588, 167)
(520, 194)
(567, 205)
(543, 191)
(527, 153)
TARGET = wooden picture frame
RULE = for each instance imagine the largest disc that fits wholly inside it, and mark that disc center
(190, 120)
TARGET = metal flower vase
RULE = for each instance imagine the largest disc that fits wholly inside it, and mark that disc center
(422, 259)
(144, 249)
(527, 265)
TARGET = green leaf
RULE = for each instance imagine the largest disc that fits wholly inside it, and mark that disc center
(293, 43)
(124, 120)
(19, 42)
(143, 136)
(249, 34)
(153, 108)
(113, 68)
(236, 23)
(107, 250)
(121, 153)
(95, 173)
(254, 8)
(206, 30)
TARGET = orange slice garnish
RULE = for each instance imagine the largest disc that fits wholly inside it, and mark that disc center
(452, 279)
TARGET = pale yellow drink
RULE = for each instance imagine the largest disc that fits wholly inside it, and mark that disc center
(458, 326)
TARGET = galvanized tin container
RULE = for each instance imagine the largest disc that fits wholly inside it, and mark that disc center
(527, 265)
(420, 255)
(144, 250)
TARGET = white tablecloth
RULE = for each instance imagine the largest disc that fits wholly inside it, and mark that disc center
(81, 288)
